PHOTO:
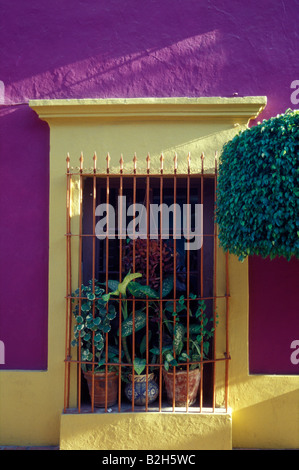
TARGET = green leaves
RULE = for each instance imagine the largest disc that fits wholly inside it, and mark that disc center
(139, 365)
(94, 313)
(257, 203)
(85, 307)
(167, 286)
(93, 319)
(183, 346)
(98, 338)
(122, 287)
(127, 325)
(176, 307)
(141, 292)
(179, 333)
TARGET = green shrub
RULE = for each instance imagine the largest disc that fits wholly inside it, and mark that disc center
(257, 190)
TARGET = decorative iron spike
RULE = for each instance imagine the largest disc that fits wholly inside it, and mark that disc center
(175, 161)
(189, 160)
(135, 161)
(161, 162)
(121, 162)
(108, 161)
(202, 159)
(148, 162)
(68, 162)
(95, 162)
(81, 162)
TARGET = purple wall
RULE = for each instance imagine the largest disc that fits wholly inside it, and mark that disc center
(88, 49)
(274, 320)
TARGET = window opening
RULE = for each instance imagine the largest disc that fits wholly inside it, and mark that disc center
(145, 329)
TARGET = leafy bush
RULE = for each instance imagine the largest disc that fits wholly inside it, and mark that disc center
(257, 190)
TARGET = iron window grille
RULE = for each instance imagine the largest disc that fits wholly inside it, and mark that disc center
(101, 261)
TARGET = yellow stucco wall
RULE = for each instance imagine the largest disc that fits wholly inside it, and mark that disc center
(265, 407)
(146, 431)
(265, 410)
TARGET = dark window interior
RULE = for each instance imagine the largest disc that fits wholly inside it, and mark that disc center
(114, 244)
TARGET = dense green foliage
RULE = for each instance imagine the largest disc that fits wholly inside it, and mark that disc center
(257, 190)
(93, 321)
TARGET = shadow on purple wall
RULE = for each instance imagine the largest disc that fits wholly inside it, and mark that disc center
(120, 49)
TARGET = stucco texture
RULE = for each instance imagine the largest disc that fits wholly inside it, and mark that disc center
(146, 431)
(85, 49)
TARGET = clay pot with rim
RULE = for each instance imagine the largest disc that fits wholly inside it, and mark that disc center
(182, 386)
(100, 387)
(140, 383)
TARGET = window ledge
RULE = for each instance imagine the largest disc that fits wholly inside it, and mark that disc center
(238, 109)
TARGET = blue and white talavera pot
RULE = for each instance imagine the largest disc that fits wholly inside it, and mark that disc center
(140, 383)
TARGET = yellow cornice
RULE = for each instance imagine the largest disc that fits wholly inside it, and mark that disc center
(237, 109)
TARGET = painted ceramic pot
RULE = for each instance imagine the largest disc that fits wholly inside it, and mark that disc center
(100, 388)
(183, 388)
(140, 389)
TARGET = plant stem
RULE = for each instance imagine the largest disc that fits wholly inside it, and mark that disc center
(126, 351)
(124, 339)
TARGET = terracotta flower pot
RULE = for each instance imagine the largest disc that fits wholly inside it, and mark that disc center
(140, 389)
(182, 386)
(100, 387)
